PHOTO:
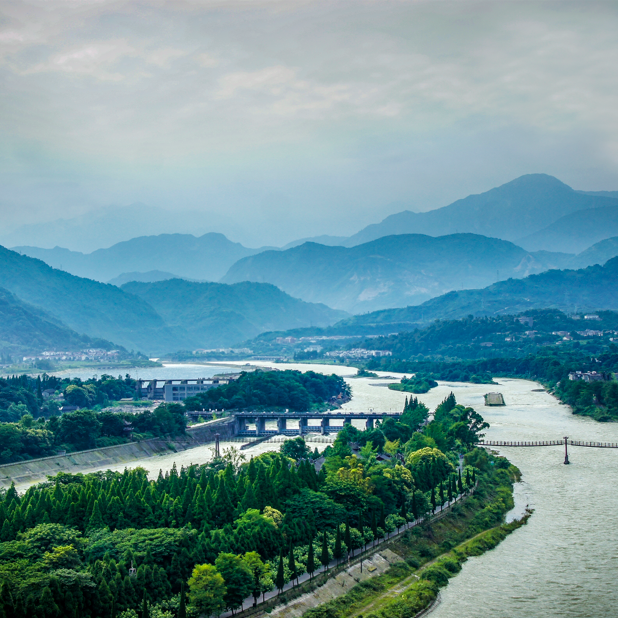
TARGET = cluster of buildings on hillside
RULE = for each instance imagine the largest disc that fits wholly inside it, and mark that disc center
(588, 376)
(359, 353)
(224, 351)
(90, 354)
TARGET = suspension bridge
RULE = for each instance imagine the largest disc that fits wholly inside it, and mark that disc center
(566, 442)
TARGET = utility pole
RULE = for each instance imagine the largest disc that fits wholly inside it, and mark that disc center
(566, 451)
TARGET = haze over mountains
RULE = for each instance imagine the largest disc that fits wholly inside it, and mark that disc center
(105, 311)
(217, 315)
(408, 259)
(391, 271)
(205, 258)
(571, 291)
(24, 328)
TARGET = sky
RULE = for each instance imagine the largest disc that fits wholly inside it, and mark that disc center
(276, 120)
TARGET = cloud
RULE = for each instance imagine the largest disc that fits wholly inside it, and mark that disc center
(330, 94)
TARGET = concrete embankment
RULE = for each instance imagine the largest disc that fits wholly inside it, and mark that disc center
(37, 470)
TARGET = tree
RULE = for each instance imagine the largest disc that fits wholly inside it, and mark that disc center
(261, 574)
(459, 483)
(292, 563)
(324, 555)
(347, 539)
(296, 449)
(310, 560)
(433, 500)
(182, 608)
(207, 590)
(237, 576)
(144, 613)
(338, 551)
(280, 580)
(79, 429)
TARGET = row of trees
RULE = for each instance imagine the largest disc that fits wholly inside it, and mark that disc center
(90, 545)
(83, 429)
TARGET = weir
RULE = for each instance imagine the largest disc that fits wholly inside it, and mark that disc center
(323, 422)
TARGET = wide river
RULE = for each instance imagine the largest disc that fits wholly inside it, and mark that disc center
(565, 561)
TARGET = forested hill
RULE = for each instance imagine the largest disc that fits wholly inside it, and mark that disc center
(86, 306)
(149, 317)
(25, 328)
(391, 271)
(215, 314)
(586, 289)
(292, 390)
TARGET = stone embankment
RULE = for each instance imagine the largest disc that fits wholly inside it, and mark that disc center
(37, 470)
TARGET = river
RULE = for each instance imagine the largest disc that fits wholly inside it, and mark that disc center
(563, 563)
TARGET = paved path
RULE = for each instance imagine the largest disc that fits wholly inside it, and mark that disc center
(353, 557)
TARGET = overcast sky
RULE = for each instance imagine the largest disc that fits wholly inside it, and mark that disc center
(288, 119)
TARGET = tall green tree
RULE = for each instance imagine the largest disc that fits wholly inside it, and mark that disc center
(310, 560)
(324, 555)
(338, 550)
(280, 579)
(207, 590)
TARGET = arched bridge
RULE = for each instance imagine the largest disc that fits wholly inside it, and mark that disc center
(566, 441)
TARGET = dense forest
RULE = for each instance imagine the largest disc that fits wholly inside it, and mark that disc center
(203, 538)
(498, 336)
(293, 390)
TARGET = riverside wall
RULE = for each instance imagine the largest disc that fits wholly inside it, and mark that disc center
(37, 470)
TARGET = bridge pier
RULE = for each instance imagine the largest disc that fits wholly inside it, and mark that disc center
(282, 424)
(240, 425)
(302, 426)
(566, 451)
(260, 426)
(324, 425)
(369, 423)
(347, 421)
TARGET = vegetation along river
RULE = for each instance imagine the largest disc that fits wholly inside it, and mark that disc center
(564, 562)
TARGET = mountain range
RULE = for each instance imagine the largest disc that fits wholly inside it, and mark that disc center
(214, 315)
(104, 311)
(572, 291)
(205, 258)
(532, 211)
(25, 328)
(392, 271)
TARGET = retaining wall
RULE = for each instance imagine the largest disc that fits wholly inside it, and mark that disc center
(37, 470)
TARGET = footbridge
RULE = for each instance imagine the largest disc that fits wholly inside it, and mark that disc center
(301, 423)
(566, 442)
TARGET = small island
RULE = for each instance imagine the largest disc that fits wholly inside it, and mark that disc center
(418, 384)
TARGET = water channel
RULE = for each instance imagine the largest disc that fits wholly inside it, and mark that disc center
(565, 561)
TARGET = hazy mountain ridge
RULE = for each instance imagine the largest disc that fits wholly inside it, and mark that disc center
(571, 291)
(390, 271)
(26, 329)
(216, 314)
(512, 211)
(206, 258)
(96, 309)
(195, 313)
(577, 231)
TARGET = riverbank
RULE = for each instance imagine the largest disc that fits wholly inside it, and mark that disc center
(430, 554)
